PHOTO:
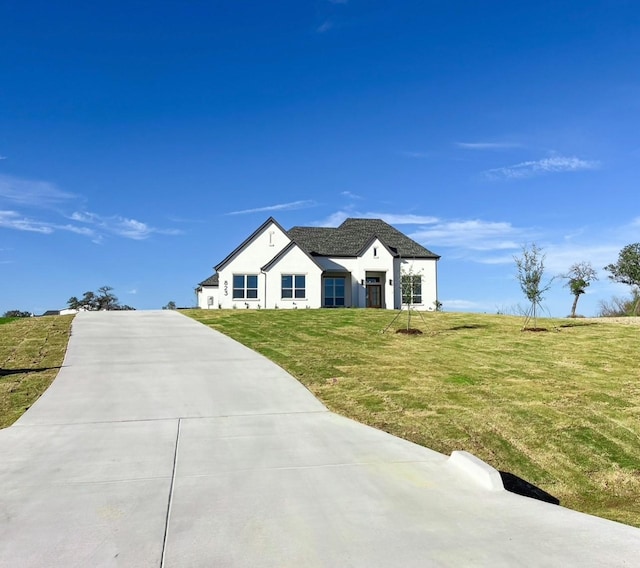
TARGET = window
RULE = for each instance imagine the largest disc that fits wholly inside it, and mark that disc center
(293, 286)
(245, 286)
(334, 292)
(411, 289)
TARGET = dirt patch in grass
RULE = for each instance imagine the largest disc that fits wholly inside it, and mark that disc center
(409, 331)
(31, 353)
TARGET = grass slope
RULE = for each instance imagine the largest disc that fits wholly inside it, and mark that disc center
(560, 409)
(31, 352)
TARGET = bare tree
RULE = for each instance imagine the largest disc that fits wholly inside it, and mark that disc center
(619, 307)
(530, 270)
(579, 277)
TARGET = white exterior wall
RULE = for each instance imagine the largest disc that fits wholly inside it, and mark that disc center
(257, 253)
(388, 268)
(206, 292)
(294, 262)
(381, 263)
(376, 260)
(427, 268)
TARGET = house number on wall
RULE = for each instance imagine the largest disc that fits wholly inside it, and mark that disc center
(226, 288)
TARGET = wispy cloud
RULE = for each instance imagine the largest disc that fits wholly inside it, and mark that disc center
(461, 305)
(561, 255)
(31, 192)
(403, 219)
(554, 164)
(48, 200)
(174, 219)
(3, 157)
(120, 226)
(17, 221)
(472, 235)
(324, 27)
(350, 195)
(303, 204)
(338, 217)
(334, 219)
(14, 220)
(411, 154)
(85, 231)
(487, 145)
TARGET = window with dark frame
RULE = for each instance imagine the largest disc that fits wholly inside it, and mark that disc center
(294, 286)
(411, 289)
(245, 286)
(334, 289)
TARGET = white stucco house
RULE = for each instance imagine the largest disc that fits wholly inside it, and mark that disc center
(363, 263)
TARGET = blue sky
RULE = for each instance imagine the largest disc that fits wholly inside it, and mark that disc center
(140, 142)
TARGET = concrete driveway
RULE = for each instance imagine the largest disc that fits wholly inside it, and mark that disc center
(164, 443)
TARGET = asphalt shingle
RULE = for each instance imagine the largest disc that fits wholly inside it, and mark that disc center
(213, 280)
(349, 238)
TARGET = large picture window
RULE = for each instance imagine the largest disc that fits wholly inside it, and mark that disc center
(411, 289)
(334, 292)
(245, 286)
(294, 286)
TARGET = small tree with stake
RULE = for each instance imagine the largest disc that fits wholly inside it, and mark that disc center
(530, 270)
(579, 277)
(411, 290)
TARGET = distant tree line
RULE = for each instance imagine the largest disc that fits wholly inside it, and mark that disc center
(103, 299)
(16, 314)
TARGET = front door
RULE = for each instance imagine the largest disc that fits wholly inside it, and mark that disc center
(374, 296)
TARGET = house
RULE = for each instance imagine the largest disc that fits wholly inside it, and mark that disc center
(362, 263)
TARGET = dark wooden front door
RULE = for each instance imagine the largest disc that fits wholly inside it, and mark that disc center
(374, 296)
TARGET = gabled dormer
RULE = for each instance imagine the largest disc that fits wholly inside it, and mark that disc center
(374, 248)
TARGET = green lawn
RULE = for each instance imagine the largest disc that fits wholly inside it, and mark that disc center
(31, 352)
(558, 408)
(561, 408)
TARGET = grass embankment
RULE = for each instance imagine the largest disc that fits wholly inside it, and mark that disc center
(560, 409)
(31, 353)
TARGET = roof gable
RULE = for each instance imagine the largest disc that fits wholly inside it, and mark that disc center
(248, 241)
(371, 241)
(283, 252)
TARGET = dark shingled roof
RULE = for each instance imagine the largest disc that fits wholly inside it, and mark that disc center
(350, 237)
(52, 313)
(211, 281)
